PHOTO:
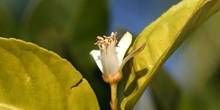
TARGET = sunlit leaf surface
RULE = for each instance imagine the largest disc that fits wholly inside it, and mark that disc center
(33, 78)
(163, 36)
(67, 27)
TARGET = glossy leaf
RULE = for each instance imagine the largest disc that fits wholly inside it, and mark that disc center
(35, 78)
(69, 28)
(66, 27)
(163, 36)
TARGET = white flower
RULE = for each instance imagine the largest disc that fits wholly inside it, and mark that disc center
(110, 56)
(110, 60)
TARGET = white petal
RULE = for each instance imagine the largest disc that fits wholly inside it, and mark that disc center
(96, 56)
(123, 45)
(109, 60)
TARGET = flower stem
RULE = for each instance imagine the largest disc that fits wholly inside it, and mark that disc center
(114, 100)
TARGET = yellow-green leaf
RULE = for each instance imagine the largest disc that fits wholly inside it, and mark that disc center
(33, 78)
(163, 36)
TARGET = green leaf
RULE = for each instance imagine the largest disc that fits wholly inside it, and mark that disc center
(6, 22)
(92, 22)
(48, 23)
(163, 36)
(202, 88)
(35, 78)
(165, 91)
(69, 28)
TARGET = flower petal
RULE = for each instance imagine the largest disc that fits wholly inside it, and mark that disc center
(123, 45)
(96, 56)
(109, 60)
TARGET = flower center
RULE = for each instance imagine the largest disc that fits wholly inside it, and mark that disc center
(104, 42)
(108, 56)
